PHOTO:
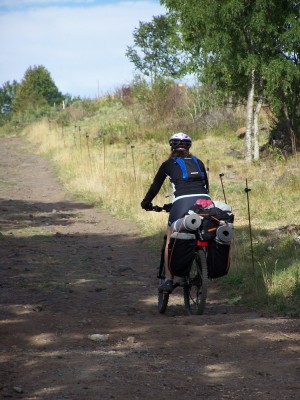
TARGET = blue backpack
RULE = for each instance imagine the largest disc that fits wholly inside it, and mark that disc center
(187, 174)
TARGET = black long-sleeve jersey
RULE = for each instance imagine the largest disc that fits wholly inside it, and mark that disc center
(189, 179)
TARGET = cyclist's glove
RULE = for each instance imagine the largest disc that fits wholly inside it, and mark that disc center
(167, 207)
(146, 205)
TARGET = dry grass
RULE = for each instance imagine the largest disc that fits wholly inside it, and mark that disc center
(116, 177)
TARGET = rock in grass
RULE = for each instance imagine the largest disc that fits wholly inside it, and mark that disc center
(97, 337)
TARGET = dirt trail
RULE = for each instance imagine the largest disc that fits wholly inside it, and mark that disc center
(70, 271)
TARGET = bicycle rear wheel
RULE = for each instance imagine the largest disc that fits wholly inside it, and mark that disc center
(163, 299)
(195, 289)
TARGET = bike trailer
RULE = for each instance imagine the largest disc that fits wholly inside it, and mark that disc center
(181, 249)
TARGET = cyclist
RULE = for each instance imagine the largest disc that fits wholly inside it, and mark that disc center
(189, 180)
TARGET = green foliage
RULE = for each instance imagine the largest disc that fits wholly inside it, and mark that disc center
(280, 272)
(63, 118)
(7, 94)
(153, 97)
(283, 90)
(119, 131)
(37, 90)
(272, 283)
(228, 40)
(157, 48)
(34, 98)
(276, 154)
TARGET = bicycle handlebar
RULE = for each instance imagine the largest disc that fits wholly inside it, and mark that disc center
(165, 207)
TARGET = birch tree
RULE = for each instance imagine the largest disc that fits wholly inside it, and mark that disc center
(234, 44)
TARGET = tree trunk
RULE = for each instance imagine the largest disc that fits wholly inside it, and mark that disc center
(248, 136)
(255, 125)
(291, 131)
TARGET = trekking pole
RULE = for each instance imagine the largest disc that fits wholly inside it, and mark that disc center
(104, 155)
(74, 134)
(220, 175)
(87, 144)
(133, 164)
(247, 190)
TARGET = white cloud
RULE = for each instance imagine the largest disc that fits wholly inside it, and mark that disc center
(82, 47)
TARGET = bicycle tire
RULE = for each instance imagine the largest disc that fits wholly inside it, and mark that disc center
(195, 289)
(163, 299)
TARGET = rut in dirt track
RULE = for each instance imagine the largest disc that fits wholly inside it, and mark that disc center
(70, 271)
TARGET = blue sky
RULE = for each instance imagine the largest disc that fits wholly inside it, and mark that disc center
(81, 43)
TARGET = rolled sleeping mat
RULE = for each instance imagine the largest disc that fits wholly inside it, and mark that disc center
(224, 234)
(188, 223)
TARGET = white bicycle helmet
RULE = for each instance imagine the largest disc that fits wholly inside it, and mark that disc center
(180, 141)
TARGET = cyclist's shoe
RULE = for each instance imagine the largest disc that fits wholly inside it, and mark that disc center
(166, 286)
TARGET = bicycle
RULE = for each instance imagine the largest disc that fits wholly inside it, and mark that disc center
(194, 284)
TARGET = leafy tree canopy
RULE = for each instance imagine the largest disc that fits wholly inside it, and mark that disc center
(232, 41)
(228, 39)
(157, 49)
(7, 94)
(37, 89)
